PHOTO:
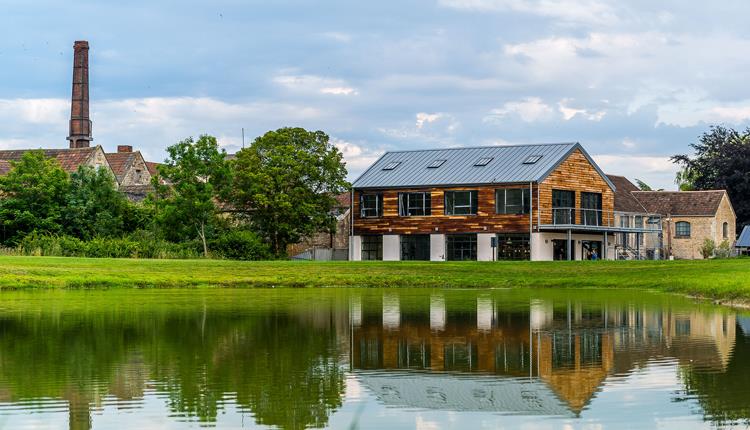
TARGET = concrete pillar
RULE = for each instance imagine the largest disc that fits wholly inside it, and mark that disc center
(484, 314)
(437, 312)
(355, 248)
(569, 249)
(437, 247)
(484, 246)
(391, 311)
(391, 247)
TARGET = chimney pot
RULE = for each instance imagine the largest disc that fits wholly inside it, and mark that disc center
(124, 148)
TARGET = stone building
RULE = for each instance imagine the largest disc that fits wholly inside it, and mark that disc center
(328, 245)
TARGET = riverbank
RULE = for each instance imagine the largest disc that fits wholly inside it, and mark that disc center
(726, 280)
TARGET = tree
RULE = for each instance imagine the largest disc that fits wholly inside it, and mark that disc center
(285, 182)
(94, 206)
(198, 176)
(721, 161)
(34, 193)
(643, 186)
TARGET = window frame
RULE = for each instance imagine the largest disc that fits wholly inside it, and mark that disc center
(405, 206)
(525, 206)
(450, 209)
(725, 230)
(681, 234)
(378, 205)
(378, 249)
(563, 212)
(591, 214)
(412, 242)
(467, 238)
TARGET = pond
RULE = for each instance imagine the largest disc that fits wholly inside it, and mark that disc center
(370, 359)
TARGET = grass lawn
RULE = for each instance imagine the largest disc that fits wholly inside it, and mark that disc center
(717, 279)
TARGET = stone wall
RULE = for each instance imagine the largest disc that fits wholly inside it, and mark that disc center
(702, 228)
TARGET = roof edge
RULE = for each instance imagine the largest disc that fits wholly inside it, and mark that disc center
(577, 145)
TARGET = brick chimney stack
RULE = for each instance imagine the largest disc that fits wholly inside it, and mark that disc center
(80, 122)
(124, 148)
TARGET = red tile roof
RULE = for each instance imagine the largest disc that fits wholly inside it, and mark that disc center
(686, 203)
(120, 162)
(69, 158)
(344, 199)
(151, 166)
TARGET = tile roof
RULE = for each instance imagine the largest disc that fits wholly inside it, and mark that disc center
(624, 199)
(151, 166)
(69, 158)
(744, 240)
(686, 203)
(507, 164)
(344, 199)
(4, 167)
(136, 192)
(120, 162)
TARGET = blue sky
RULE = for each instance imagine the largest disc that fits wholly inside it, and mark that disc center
(634, 82)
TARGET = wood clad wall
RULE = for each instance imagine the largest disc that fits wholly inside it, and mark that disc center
(575, 173)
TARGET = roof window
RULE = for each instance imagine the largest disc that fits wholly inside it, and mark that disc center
(435, 164)
(392, 165)
(483, 161)
(532, 159)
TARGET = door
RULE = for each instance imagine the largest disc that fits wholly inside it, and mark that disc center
(592, 249)
(560, 249)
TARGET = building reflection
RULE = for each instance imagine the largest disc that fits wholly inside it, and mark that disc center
(549, 351)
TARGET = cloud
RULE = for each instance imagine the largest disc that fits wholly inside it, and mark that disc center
(357, 157)
(657, 171)
(315, 84)
(691, 113)
(530, 109)
(569, 113)
(586, 11)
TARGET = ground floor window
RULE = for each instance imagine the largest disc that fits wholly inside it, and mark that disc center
(415, 247)
(461, 247)
(513, 246)
(372, 247)
(560, 249)
(592, 249)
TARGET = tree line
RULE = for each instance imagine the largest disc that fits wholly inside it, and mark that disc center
(278, 190)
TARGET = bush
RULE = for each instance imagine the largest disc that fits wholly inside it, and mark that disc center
(240, 245)
(708, 248)
(724, 250)
(134, 246)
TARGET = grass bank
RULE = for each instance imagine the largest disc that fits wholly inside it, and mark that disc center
(717, 279)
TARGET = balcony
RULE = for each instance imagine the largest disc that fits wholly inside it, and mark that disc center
(598, 220)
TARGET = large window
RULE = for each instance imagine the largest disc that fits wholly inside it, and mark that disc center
(461, 247)
(513, 246)
(512, 201)
(563, 206)
(372, 247)
(371, 205)
(461, 202)
(591, 208)
(682, 229)
(414, 204)
(415, 247)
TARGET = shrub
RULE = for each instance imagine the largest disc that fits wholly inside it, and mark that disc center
(134, 246)
(708, 248)
(724, 250)
(240, 245)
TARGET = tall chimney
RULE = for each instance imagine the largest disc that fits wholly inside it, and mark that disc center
(80, 123)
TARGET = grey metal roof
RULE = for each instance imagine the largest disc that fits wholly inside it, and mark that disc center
(744, 240)
(507, 166)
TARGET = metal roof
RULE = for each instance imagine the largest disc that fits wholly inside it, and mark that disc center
(744, 240)
(507, 166)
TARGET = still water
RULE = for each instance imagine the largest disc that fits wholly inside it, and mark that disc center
(375, 359)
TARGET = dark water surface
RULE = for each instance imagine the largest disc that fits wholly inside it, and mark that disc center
(379, 359)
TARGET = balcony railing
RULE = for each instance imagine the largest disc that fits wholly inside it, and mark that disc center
(576, 217)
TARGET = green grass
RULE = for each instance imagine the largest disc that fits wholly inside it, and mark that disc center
(717, 279)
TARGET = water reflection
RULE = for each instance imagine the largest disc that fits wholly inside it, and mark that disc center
(293, 359)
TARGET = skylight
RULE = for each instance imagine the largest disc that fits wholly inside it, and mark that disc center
(435, 164)
(483, 161)
(532, 159)
(392, 165)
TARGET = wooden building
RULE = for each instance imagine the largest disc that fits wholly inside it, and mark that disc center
(537, 202)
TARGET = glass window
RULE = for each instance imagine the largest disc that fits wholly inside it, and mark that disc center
(372, 247)
(725, 230)
(461, 247)
(563, 206)
(414, 204)
(512, 201)
(682, 229)
(532, 159)
(392, 165)
(435, 164)
(483, 161)
(461, 357)
(371, 205)
(624, 237)
(461, 202)
(513, 246)
(591, 208)
(415, 247)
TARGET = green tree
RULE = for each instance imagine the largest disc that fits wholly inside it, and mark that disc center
(721, 160)
(285, 183)
(643, 186)
(198, 176)
(34, 193)
(94, 206)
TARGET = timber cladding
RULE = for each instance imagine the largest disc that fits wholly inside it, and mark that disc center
(575, 173)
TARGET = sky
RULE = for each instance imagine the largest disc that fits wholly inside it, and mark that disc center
(634, 82)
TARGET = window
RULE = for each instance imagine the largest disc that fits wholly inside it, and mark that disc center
(563, 206)
(725, 230)
(513, 246)
(483, 161)
(371, 205)
(532, 159)
(392, 165)
(512, 201)
(682, 229)
(372, 247)
(591, 209)
(414, 204)
(461, 202)
(625, 237)
(435, 164)
(461, 247)
(639, 224)
(415, 247)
